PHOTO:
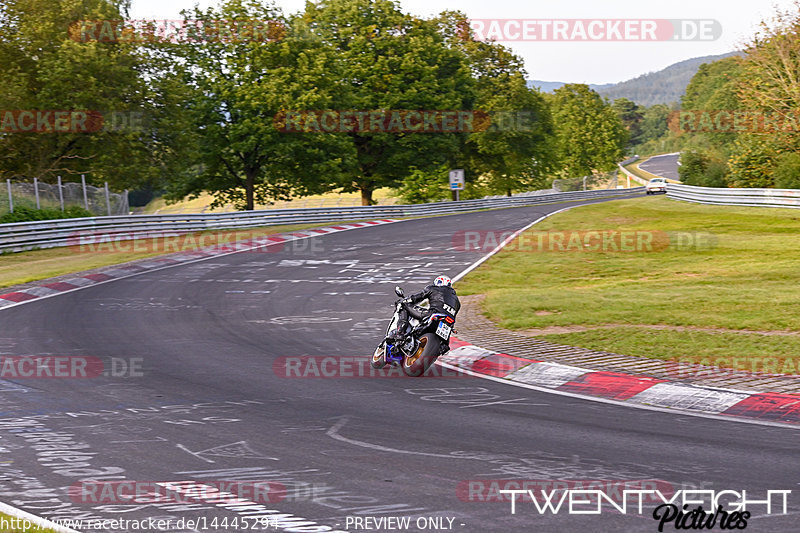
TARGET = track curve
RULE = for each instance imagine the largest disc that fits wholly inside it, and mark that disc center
(209, 402)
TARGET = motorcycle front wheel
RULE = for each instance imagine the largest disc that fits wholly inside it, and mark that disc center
(417, 364)
(379, 356)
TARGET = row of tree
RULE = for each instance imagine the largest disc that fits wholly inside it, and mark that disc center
(203, 114)
(738, 123)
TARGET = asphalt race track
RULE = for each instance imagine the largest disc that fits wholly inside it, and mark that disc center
(663, 165)
(200, 350)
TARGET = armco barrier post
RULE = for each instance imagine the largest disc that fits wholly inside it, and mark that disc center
(36, 191)
(60, 194)
(10, 197)
(85, 198)
(108, 202)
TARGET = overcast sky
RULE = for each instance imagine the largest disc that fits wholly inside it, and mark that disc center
(575, 62)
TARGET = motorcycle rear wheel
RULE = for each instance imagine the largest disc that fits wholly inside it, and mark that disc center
(428, 350)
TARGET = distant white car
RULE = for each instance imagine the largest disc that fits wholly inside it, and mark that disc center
(656, 185)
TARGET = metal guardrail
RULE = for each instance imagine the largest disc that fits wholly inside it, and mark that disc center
(21, 236)
(744, 197)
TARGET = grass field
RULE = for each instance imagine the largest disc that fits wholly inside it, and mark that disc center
(717, 282)
(15, 525)
(24, 267)
(202, 203)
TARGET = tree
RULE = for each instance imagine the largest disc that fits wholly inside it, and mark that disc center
(715, 88)
(763, 83)
(771, 73)
(654, 123)
(752, 162)
(45, 69)
(394, 62)
(240, 88)
(590, 136)
(515, 150)
(631, 116)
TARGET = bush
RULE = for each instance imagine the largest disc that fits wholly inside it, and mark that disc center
(716, 175)
(702, 170)
(29, 214)
(421, 186)
(752, 163)
(693, 166)
(787, 171)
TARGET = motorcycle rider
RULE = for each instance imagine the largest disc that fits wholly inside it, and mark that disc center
(441, 298)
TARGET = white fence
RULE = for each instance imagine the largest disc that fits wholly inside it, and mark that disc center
(65, 232)
(743, 197)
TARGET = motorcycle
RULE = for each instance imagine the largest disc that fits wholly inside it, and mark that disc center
(423, 340)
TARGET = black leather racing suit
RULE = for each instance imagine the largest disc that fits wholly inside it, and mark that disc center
(440, 299)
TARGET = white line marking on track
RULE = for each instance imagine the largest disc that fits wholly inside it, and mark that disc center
(333, 433)
(187, 450)
(621, 403)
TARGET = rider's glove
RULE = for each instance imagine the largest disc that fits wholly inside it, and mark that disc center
(408, 301)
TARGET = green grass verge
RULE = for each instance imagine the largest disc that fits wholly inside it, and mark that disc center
(745, 276)
(633, 169)
(202, 204)
(24, 267)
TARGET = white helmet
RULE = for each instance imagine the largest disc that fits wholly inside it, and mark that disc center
(442, 281)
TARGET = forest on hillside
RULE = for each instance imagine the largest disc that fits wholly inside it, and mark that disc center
(665, 86)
